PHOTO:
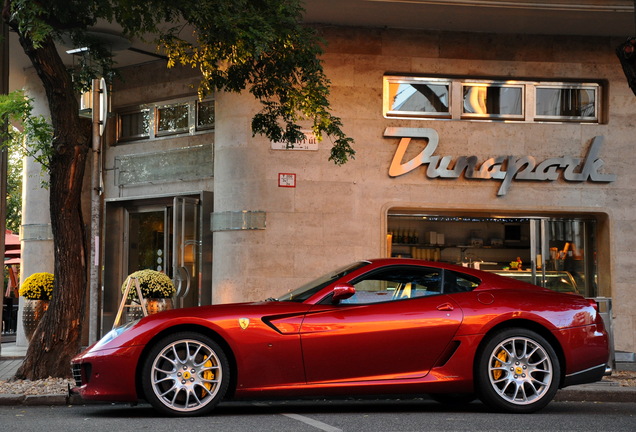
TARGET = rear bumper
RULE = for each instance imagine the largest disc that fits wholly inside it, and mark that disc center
(587, 376)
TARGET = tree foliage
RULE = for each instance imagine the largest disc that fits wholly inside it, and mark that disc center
(259, 46)
(237, 45)
(14, 192)
(28, 134)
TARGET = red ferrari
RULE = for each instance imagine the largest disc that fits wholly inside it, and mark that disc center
(378, 327)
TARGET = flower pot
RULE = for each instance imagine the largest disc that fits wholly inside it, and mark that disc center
(154, 305)
(32, 313)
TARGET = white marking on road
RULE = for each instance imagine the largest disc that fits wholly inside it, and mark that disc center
(309, 421)
(315, 423)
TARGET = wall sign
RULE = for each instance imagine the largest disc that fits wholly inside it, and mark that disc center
(502, 168)
(309, 143)
(287, 180)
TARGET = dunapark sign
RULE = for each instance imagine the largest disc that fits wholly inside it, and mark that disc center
(505, 169)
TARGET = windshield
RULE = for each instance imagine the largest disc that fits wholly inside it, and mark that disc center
(304, 292)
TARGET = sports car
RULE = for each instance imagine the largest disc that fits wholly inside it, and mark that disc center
(377, 327)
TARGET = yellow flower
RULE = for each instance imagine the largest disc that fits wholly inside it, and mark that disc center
(38, 286)
(153, 284)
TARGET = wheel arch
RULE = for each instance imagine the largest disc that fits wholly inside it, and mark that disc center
(529, 325)
(185, 328)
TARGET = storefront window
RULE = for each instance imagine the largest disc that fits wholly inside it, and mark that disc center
(418, 98)
(467, 98)
(572, 249)
(566, 103)
(492, 101)
(558, 253)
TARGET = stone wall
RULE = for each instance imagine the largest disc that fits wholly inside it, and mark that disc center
(336, 215)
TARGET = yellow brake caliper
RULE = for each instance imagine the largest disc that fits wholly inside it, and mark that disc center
(503, 356)
(207, 375)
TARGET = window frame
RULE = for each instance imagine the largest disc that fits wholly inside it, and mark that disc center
(389, 81)
(567, 86)
(493, 84)
(204, 127)
(153, 109)
(159, 108)
(137, 137)
(528, 95)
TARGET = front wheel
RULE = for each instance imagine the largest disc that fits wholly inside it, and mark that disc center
(517, 371)
(185, 374)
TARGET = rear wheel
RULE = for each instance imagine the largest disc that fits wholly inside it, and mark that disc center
(185, 374)
(517, 371)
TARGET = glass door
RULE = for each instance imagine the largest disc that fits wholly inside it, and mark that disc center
(186, 254)
(167, 239)
(147, 241)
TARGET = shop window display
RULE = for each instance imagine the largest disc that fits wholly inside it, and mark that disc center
(558, 253)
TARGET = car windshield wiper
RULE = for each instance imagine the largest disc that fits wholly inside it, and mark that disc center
(271, 299)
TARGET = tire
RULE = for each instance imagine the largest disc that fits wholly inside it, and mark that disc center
(517, 371)
(185, 374)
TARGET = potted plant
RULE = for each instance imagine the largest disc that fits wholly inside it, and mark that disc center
(36, 290)
(156, 287)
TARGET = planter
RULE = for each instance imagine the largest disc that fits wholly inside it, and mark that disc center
(153, 306)
(32, 313)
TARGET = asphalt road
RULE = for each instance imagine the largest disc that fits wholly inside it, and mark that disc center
(325, 416)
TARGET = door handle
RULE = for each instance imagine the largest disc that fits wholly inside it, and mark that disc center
(445, 307)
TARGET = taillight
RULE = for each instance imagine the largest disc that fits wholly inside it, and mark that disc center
(594, 304)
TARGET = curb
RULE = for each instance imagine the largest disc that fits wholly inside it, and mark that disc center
(574, 394)
(41, 400)
(596, 394)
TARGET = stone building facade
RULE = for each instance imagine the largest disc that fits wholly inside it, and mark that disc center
(232, 217)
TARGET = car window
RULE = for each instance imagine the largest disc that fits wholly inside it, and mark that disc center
(457, 282)
(396, 283)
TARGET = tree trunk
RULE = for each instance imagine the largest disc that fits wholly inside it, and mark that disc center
(58, 336)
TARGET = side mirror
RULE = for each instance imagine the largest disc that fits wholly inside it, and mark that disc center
(343, 292)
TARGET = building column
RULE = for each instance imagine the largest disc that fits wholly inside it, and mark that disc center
(36, 235)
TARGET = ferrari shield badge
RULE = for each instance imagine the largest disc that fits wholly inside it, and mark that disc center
(244, 322)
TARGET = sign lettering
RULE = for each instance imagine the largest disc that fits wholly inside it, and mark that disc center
(503, 168)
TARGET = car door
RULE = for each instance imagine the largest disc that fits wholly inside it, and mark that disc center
(394, 327)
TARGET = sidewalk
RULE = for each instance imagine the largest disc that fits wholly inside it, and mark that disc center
(604, 391)
(11, 357)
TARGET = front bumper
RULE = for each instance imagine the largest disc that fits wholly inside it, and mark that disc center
(107, 374)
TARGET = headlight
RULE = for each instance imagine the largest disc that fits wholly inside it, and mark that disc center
(113, 334)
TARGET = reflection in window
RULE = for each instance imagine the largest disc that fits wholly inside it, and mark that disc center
(172, 119)
(205, 115)
(134, 125)
(573, 249)
(419, 98)
(566, 103)
(396, 283)
(493, 100)
(482, 99)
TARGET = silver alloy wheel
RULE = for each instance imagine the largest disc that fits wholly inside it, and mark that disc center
(186, 375)
(520, 370)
